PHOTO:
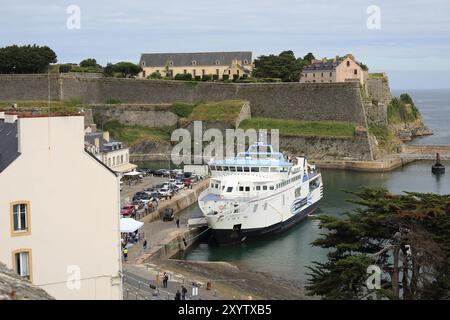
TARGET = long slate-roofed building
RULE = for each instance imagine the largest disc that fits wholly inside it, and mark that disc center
(217, 65)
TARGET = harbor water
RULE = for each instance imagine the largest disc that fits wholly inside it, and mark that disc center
(287, 255)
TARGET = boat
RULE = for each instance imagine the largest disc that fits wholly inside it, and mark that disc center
(257, 193)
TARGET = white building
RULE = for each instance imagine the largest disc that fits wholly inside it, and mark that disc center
(112, 153)
(59, 209)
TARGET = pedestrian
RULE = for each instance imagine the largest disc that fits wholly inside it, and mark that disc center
(178, 295)
(183, 292)
(125, 253)
(144, 244)
(178, 223)
(165, 280)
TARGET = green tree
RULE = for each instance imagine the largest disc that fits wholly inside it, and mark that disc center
(183, 77)
(26, 59)
(407, 236)
(122, 69)
(90, 63)
(309, 57)
(64, 68)
(284, 66)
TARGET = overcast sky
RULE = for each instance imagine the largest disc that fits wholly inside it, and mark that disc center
(412, 45)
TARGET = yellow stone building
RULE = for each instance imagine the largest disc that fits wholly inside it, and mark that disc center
(340, 69)
(214, 64)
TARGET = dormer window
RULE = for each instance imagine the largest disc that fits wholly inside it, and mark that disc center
(217, 62)
(143, 63)
(348, 63)
(194, 63)
(171, 63)
(245, 61)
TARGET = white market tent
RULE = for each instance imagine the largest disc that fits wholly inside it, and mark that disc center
(132, 173)
(128, 225)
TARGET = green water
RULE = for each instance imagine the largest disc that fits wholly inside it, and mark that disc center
(287, 255)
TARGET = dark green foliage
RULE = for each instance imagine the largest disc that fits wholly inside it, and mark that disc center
(215, 77)
(26, 59)
(183, 109)
(380, 232)
(198, 78)
(183, 77)
(155, 75)
(64, 68)
(90, 63)
(207, 77)
(402, 110)
(309, 57)
(122, 69)
(284, 66)
(225, 77)
(113, 101)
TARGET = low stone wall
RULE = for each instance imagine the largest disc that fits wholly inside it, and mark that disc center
(328, 148)
(154, 116)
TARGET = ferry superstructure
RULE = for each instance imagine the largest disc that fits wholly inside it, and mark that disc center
(257, 193)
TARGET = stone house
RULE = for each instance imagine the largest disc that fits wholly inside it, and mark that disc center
(112, 153)
(340, 69)
(214, 64)
(59, 208)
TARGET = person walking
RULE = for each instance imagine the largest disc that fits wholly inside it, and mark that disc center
(165, 280)
(125, 253)
(144, 244)
(178, 295)
(183, 292)
(178, 223)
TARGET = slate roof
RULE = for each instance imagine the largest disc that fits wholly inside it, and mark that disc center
(202, 58)
(322, 66)
(9, 144)
(104, 145)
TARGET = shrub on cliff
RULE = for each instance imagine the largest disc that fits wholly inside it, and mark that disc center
(26, 59)
(402, 110)
(182, 109)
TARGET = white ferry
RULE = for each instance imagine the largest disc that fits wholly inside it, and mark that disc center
(258, 192)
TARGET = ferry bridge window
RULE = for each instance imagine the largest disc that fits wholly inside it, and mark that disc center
(233, 169)
(298, 192)
(213, 167)
(247, 189)
(217, 186)
(225, 168)
(239, 169)
(246, 169)
(274, 169)
(264, 169)
(241, 188)
(258, 188)
(229, 189)
(255, 169)
(284, 169)
(264, 187)
(272, 187)
(219, 168)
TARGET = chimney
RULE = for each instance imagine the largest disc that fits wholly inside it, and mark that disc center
(106, 135)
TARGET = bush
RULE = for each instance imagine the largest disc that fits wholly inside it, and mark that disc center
(155, 75)
(215, 77)
(183, 77)
(198, 78)
(207, 77)
(64, 68)
(225, 77)
(182, 109)
(235, 77)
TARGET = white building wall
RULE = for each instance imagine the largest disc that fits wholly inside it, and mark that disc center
(74, 210)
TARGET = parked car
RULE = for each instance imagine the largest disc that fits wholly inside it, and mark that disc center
(179, 184)
(138, 195)
(168, 214)
(160, 173)
(127, 210)
(165, 192)
(146, 198)
(187, 182)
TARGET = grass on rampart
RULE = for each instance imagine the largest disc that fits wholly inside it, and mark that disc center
(132, 134)
(223, 111)
(301, 128)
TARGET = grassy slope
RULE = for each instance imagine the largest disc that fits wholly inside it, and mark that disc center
(301, 128)
(225, 111)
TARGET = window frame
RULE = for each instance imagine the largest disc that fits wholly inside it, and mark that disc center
(30, 262)
(19, 233)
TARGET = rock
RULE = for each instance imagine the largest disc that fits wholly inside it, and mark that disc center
(14, 287)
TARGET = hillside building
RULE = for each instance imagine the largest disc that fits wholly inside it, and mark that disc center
(217, 65)
(340, 69)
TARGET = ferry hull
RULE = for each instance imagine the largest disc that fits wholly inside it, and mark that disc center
(229, 237)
